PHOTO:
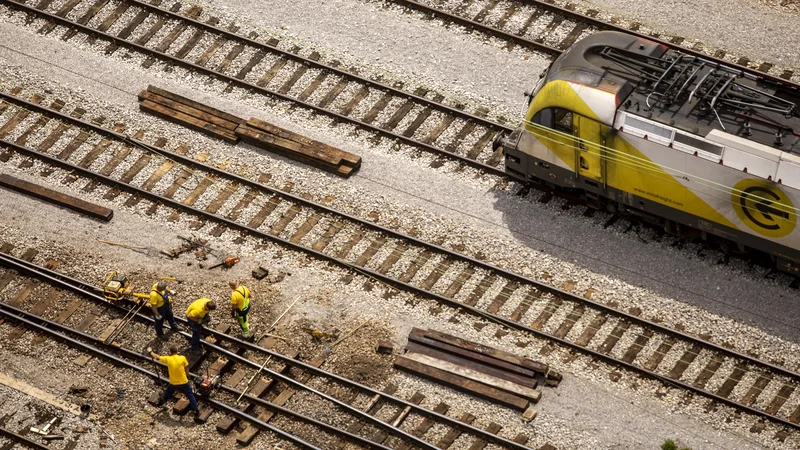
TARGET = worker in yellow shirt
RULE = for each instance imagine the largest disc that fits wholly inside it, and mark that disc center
(197, 315)
(161, 304)
(178, 368)
(240, 303)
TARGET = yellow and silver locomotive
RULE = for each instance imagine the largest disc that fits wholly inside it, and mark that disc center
(699, 148)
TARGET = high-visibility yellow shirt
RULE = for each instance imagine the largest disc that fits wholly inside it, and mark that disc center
(198, 308)
(176, 365)
(157, 297)
(240, 298)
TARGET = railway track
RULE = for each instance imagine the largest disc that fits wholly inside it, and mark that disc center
(419, 119)
(561, 317)
(544, 26)
(393, 421)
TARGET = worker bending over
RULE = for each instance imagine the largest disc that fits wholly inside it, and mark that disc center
(197, 315)
(240, 302)
(161, 304)
(178, 368)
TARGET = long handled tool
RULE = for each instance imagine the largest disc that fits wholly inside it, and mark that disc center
(271, 327)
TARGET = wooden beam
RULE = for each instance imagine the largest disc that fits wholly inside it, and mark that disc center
(458, 382)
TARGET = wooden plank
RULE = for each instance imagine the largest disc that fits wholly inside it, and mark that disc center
(333, 93)
(397, 419)
(297, 74)
(254, 61)
(304, 229)
(475, 375)
(287, 217)
(458, 283)
(438, 129)
(357, 98)
(784, 393)
(502, 297)
(265, 211)
(733, 379)
(458, 382)
(708, 371)
(418, 336)
(486, 282)
(230, 57)
(547, 313)
(113, 17)
(480, 444)
(249, 433)
(321, 77)
(344, 251)
(463, 361)
(569, 322)
(326, 238)
(637, 346)
(379, 106)
(614, 337)
(451, 436)
(18, 117)
(370, 251)
(39, 309)
(203, 116)
(193, 104)
(392, 258)
(56, 198)
(372, 408)
(441, 268)
(421, 118)
(411, 271)
(270, 74)
(424, 426)
(756, 390)
(686, 359)
(188, 121)
(9, 275)
(658, 355)
(488, 351)
(61, 318)
(524, 305)
(137, 167)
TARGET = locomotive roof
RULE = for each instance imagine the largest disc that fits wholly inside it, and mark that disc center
(687, 92)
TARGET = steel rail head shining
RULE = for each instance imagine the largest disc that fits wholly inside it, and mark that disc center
(82, 288)
(256, 88)
(50, 327)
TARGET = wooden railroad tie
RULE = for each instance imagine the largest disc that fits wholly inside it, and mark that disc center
(232, 129)
(493, 374)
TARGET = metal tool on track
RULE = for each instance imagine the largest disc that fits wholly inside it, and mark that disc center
(227, 263)
(117, 287)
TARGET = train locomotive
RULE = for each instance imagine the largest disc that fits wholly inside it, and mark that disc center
(704, 150)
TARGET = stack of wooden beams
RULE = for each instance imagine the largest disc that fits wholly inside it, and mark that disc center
(189, 113)
(498, 376)
(298, 147)
(231, 129)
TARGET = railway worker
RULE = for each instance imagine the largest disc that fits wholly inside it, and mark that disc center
(240, 306)
(197, 315)
(178, 368)
(161, 304)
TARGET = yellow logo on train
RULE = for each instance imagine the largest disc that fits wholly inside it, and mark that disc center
(764, 208)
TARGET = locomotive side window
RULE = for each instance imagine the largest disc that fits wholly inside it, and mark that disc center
(544, 118)
(563, 120)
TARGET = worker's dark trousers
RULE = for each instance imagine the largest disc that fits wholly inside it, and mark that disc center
(166, 314)
(197, 328)
(186, 390)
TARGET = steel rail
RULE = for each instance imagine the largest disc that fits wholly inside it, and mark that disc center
(584, 18)
(484, 28)
(85, 289)
(411, 288)
(50, 327)
(316, 64)
(398, 235)
(20, 439)
(234, 356)
(255, 88)
(252, 399)
(17, 312)
(608, 25)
